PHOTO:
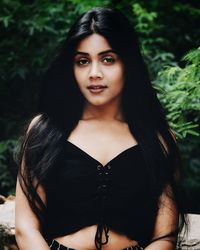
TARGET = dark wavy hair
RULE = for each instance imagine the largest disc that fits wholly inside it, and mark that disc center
(62, 103)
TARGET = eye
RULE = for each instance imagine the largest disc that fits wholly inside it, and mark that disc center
(108, 60)
(82, 61)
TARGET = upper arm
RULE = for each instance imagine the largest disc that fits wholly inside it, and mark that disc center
(166, 223)
(25, 218)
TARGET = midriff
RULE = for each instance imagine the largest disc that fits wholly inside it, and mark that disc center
(84, 240)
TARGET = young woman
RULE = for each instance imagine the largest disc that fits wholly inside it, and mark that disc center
(99, 163)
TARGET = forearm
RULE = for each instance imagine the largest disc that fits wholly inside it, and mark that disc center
(161, 245)
(31, 240)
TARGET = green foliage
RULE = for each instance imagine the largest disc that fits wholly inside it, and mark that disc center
(150, 32)
(37, 29)
(179, 91)
(84, 5)
(32, 33)
(7, 166)
(146, 21)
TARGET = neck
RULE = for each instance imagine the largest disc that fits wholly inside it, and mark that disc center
(107, 112)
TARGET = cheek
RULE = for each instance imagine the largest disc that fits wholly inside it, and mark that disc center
(118, 76)
(79, 76)
(75, 74)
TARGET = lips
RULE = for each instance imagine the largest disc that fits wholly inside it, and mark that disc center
(92, 87)
(96, 89)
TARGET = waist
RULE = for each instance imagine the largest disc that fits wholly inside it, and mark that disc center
(84, 240)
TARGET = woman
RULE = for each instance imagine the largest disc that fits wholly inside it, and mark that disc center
(99, 164)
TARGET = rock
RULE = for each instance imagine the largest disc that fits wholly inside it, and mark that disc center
(7, 215)
(194, 226)
(7, 225)
(10, 198)
(191, 239)
(2, 199)
(7, 239)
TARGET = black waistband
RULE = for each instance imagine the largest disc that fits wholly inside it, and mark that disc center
(54, 245)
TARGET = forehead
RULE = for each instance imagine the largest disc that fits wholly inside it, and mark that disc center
(94, 43)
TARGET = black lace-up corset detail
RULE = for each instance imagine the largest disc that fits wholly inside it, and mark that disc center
(101, 237)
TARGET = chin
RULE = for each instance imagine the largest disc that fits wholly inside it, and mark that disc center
(96, 103)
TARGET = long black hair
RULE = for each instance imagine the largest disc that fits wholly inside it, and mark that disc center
(62, 103)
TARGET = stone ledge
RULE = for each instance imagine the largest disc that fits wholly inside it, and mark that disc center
(7, 228)
(191, 241)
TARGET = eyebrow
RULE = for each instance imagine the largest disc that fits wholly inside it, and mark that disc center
(101, 53)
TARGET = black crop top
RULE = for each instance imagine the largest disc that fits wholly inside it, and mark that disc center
(82, 192)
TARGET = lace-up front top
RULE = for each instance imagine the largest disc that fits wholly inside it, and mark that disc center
(82, 192)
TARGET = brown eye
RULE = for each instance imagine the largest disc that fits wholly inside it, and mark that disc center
(82, 61)
(108, 60)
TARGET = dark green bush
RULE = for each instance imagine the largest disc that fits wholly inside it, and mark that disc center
(8, 166)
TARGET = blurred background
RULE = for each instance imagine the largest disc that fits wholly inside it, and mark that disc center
(31, 33)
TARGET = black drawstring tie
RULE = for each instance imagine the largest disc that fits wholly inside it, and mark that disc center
(101, 228)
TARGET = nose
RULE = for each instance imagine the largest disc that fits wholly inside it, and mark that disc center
(95, 71)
